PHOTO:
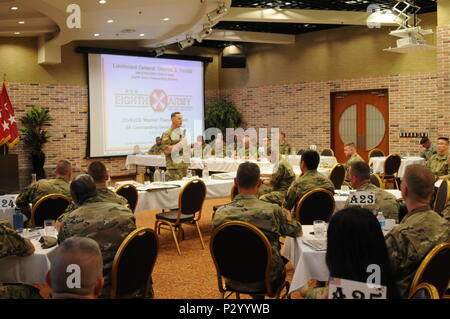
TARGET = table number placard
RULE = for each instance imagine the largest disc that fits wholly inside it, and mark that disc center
(348, 289)
(8, 202)
(362, 198)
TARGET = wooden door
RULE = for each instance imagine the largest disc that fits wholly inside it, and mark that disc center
(361, 118)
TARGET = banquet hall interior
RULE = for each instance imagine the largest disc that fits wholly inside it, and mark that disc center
(372, 75)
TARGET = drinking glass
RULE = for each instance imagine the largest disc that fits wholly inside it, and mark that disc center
(189, 174)
(49, 227)
(319, 229)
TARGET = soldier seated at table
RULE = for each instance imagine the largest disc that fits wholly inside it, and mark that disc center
(354, 241)
(156, 149)
(86, 254)
(285, 147)
(100, 175)
(446, 212)
(429, 148)
(352, 155)
(269, 218)
(278, 185)
(12, 244)
(440, 163)
(35, 191)
(385, 202)
(420, 230)
(107, 223)
(309, 180)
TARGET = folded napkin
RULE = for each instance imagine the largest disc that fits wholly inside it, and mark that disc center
(48, 241)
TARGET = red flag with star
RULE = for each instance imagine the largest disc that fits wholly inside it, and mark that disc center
(8, 120)
(4, 126)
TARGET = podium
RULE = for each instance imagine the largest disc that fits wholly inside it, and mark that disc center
(9, 174)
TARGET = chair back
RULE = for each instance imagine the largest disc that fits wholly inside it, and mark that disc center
(442, 196)
(327, 152)
(234, 191)
(191, 198)
(392, 164)
(337, 175)
(424, 291)
(434, 269)
(130, 193)
(241, 252)
(317, 204)
(375, 180)
(133, 264)
(376, 153)
(48, 207)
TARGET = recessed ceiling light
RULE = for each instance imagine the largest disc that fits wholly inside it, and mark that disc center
(21, 22)
(110, 21)
(16, 32)
(96, 34)
(166, 19)
(142, 34)
(102, 1)
(14, 8)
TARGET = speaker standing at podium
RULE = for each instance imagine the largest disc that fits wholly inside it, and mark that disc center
(173, 141)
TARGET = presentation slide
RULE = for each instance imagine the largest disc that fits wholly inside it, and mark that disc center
(131, 99)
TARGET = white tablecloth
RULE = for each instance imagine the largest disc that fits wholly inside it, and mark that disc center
(308, 263)
(341, 199)
(378, 164)
(31, 269)
(168, 198)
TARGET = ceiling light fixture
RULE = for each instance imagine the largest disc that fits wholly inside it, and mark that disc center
(142, 34)
(159, 51)
(14, 8)
(96, 34)
(186, 43)
(102, 1)
(217, 13)
(16, 32)
(207, 30)
(166, 19)
(110, 21)
(21, 22)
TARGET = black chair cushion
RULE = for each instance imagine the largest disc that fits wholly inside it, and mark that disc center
(172, 216)
(318, 206)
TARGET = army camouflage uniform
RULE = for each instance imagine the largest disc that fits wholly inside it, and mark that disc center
(308, 181)
(281, 179)
(210, 150)
(12, 244)
(408, 243)
(354, 158)
(155, 149)
(103, 195)
(446, 211)
(270, 219)
(175, 171)
(32, 193)
(285, 148)
(106, 223)
(384, 202)
(428, 152)
(439, 165)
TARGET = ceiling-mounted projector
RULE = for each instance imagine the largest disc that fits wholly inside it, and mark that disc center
(411, 40)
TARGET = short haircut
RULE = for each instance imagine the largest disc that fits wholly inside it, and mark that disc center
(98, 171)
(282, 133)
(157, 137)
(444, 139)
(83, 252)
(174, 114)
(247, 175)
(311, 159)
(420, 181)
(63, 167)
(351, 144)
(82, 188)
(360, 170)
(424, 140)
